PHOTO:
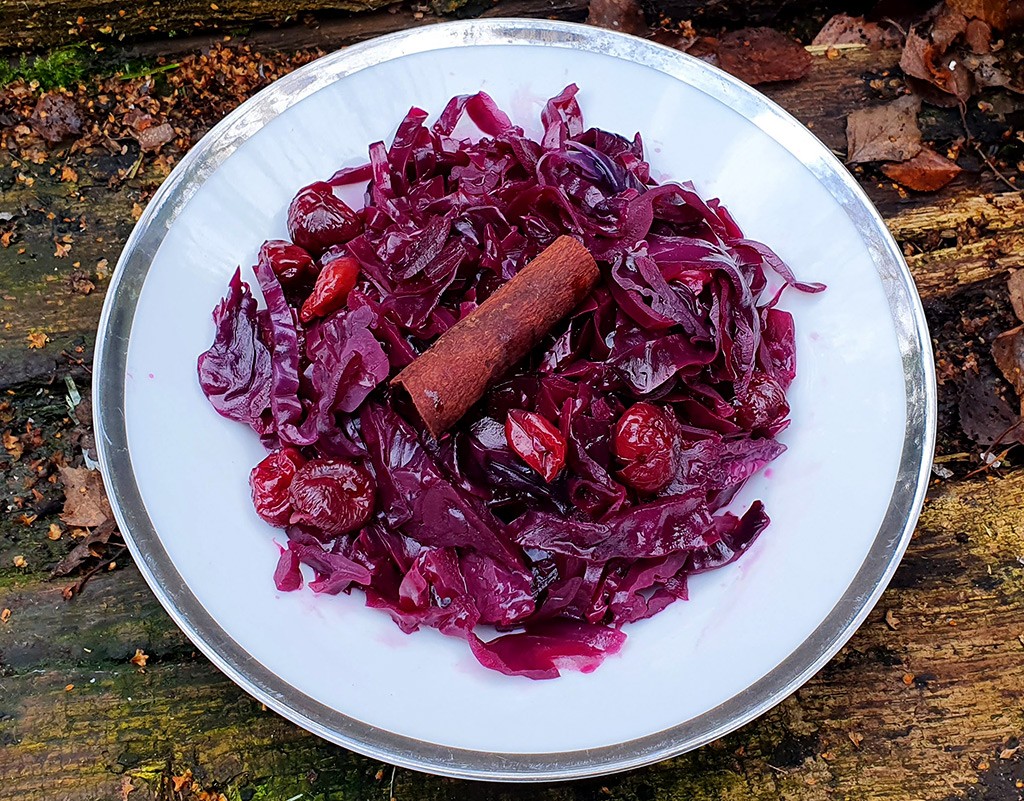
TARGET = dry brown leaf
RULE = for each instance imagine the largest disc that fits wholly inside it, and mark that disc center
(993, 12)
(54, 532)
(844, 29)
(908, 678)
(85, 500)
(56, 118)
(37, 340)
(928, 62)
(126, 786)
(68, 687)
(5, 238)
(155, 137)
(948, 26)
(5, 615)
(1008, 352)
(1015, 285)
(984, 416)
(19, 561)
(856, 738)
(978, 36)
(926, 172)
(618, 15)
(884, 133)
(891, 620)
(13, 446)
(182, 782)
(86, 549)
(763, 55)
(140, 658)
(68, 174)
(61, 250)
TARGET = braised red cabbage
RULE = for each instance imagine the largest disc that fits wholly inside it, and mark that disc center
(580, 493)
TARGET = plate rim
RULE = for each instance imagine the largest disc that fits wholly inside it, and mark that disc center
(888, 546)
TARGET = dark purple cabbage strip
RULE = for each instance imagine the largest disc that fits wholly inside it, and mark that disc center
(417, 498)
(544, 649)
(285, 404)
(679, 523)
(235, 372)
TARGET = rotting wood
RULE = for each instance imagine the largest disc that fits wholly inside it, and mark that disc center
(34, 24)
(930, 694)
(821, 101)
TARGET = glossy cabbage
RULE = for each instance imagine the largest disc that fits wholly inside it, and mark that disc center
(538, 573)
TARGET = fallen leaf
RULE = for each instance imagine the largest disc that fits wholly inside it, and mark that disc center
(1015, 285)
(5, 615)
(926, 172)
(844, 29)
(68, 174)
(763, 55)
(993, 12)
(156, 137)
(1008, 753)
(61, 250)
(884, 133)
(13, 446)
(37, 340)
(68, 687)
(19, 561)
(988, 70)
(948, 26)
(56, 118)
(1008, 353)
(85, 500)
(140, 658)
(54, 532)
(618, 15)
(182, 782)
(126, 786)
(978, 36)
(908, 678)
(136, 211)
(6, 237)
(984, 416)
(928, 62)
(891, 620)
(85, 549)
(856, 738)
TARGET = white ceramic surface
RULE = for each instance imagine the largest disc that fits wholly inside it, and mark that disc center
(826, 496)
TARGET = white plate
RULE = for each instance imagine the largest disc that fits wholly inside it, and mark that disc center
(843, 499)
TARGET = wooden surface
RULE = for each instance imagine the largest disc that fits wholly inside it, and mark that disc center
(924, 703)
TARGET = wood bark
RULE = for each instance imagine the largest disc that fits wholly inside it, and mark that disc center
(925, 696)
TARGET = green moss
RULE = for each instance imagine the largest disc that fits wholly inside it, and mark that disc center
(64, 67)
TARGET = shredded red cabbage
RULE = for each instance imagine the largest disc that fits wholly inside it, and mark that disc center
(632, 424)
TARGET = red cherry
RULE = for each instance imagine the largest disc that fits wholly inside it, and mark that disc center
(292, 265)
(645, 441)
(269, 482)
(332, 496)
(318, 219)
(763, 406)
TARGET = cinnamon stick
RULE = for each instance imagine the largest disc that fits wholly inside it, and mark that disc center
(456, 371)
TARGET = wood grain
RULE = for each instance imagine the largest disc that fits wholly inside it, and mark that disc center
(933, 692)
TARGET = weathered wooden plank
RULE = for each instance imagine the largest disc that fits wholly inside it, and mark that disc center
(987, 233)
(926, 696)
(34, 24)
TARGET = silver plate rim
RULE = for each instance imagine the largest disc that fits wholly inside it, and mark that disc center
(184, 608)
